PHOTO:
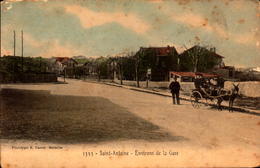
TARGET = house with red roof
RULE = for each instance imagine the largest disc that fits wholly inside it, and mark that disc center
(158, 61)
(59, 63)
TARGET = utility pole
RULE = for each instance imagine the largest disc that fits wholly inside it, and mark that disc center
(0, 30)
(14, 42)
(22, 48)
(14, 63)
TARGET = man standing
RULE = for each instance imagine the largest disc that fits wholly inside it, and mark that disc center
(175, 90)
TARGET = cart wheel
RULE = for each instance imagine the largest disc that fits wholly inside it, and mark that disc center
(196, 99)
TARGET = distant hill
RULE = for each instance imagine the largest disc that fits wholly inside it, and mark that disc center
(79, 57)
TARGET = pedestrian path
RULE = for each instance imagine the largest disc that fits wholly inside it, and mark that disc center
(182, 97)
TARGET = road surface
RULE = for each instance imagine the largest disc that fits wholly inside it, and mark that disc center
(144, 129)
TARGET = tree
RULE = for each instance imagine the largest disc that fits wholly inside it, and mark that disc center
(120, 69)
(101, 64)
(137, 64)
(194, 55)
(198, 58)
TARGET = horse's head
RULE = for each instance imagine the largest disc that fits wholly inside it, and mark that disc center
(235, 90)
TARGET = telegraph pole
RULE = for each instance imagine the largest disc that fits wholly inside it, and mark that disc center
(14, 63)
(0, 32)
(22, 48)
(14, 42)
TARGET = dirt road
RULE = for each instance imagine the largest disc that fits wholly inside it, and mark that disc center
(83, 117)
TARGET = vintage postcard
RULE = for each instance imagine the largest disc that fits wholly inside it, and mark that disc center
(130, 83)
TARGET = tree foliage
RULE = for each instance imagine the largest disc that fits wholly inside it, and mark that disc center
(198, 58)
(15, 64)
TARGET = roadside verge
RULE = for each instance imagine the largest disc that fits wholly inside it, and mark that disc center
(182, 97)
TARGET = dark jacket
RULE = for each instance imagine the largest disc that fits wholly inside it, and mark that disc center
(220, 82)
(175, 87)
(197, 83)
(200, 83)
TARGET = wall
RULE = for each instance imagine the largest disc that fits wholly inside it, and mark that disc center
(27, 78)
(250, 88)
(248, 76)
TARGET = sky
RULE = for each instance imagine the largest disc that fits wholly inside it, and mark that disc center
(107, 27)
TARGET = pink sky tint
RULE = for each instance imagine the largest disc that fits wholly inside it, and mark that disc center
(28, 39)
(58, 50)
(249, 38)
(197, 21)
(89, 18)
(6, 52)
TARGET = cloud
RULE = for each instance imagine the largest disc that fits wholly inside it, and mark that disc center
(156, 1)
(5, 51)
(8, 4)
(250, 38)
(54, 48)
(244, 38)
(28, 39)
(89, 18)
(197, 21)
(51, 48)
(26, 0)
(45, 48)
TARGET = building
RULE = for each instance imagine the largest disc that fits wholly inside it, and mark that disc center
(158, 61)
(200, 59)
(227, 72)
(247, 74)
(59, 63)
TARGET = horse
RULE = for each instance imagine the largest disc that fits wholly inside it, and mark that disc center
(229, 96)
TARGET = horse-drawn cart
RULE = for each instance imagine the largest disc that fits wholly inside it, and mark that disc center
(202, 96)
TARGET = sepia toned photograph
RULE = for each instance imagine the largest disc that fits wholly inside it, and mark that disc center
(129, 83)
